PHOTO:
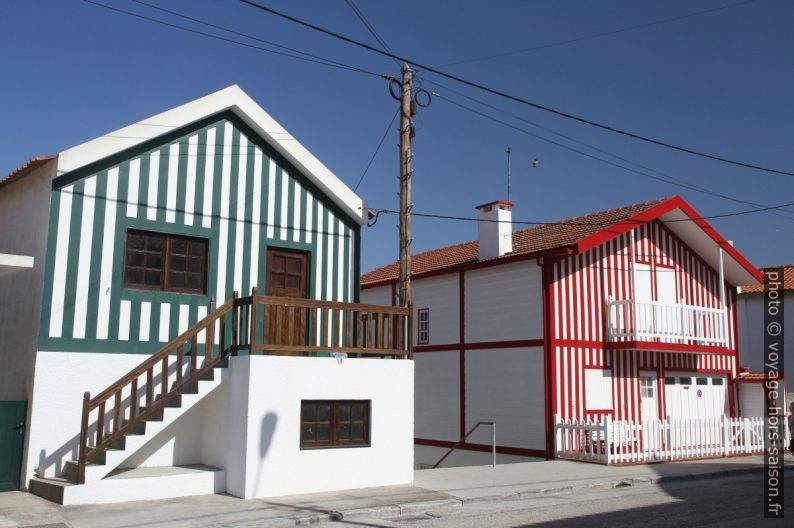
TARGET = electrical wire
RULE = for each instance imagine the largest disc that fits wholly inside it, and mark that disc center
(371, 29)
(377, 149)
(572, 222)
(516, 98)
(666, 178)
(595, 35)
(324, 62)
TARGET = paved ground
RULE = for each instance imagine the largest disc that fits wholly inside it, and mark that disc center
(449, 490)
(728, 502)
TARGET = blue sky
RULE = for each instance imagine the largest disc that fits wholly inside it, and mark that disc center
(719, 82)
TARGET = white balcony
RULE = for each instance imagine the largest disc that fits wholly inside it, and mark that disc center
(663, 322)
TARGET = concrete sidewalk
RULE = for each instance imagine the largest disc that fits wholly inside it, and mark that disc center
(433, 489)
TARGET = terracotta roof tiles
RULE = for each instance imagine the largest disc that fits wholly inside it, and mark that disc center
(536, 239)
(25, 169)
(788, 280)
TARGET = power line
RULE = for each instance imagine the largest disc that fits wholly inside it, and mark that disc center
(324, 62)
(377, 149)
(515, 98)
(371, 28)
(666, 178)
(596, 35)
(572, 222)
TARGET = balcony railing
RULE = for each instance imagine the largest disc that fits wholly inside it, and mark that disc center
(668, 323)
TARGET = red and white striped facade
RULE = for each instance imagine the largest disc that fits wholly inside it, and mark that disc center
(579, 286)
(501, 329)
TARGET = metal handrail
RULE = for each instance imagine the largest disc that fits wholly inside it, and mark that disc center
(463, 439)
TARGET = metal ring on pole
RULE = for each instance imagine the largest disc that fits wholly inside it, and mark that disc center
(398, 95)
(426, 94)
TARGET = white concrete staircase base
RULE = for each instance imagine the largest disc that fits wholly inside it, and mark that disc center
(143, 483)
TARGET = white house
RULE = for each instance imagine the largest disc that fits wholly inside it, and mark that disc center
(626, 315)
(143, 371)
(751, 341)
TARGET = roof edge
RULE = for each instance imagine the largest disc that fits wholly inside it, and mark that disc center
(243, 106)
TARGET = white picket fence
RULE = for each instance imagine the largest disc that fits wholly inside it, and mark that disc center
(624, 442)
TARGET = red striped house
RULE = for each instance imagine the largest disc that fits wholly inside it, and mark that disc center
(629, 313)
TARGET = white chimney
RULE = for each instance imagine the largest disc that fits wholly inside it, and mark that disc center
(495, 227)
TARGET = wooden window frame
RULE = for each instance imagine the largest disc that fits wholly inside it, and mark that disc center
(334, 442)
(419, 339)
(164, 265)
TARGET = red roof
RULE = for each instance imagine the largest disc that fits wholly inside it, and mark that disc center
(562, 235)
(788, 280)
(25, 169)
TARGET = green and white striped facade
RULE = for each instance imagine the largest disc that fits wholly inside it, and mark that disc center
(217, 179)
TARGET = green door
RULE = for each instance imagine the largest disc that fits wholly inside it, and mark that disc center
(12, 436)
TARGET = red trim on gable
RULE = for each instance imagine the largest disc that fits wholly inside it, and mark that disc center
(654, 212)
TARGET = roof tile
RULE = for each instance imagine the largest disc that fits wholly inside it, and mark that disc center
(536, 239)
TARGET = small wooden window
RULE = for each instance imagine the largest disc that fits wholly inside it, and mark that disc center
(423, 326)
(334, 423)
(159, 261)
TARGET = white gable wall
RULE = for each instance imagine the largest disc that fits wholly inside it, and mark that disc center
(504, 302)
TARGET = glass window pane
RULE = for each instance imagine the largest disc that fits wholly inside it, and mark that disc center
(357, 432)
(154, 260)
(716, 381)
(343, 431)
(134, 258)
(152, 278)
(197, 248)
(154, 242)
(669, 381)
(323, 433)
(357, 411)
(193, 281)
(308, 433)
(135, 241)
(134, 276)
(343, 413)
(309, 412)
(685, 381)
(702, 381)
(177, 263)
(176, 280)
(195, 265)
(323, 413)
(178, 246)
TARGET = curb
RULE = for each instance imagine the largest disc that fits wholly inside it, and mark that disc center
(398, 510)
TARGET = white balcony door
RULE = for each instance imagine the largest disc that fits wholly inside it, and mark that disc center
(643, 293)
(667, 316)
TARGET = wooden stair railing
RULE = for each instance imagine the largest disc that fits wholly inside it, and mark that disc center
(325, 326)
(201, 335)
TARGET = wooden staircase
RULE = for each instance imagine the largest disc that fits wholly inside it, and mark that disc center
(119, 420)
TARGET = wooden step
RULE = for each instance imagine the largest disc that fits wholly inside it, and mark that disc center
(156, 416)
(137, 429)
(71, 467)
(174, 400)
(49, 488)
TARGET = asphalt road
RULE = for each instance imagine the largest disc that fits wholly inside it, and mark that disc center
(724, 503)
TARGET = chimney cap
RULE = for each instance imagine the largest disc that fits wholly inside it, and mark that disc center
(496, 202)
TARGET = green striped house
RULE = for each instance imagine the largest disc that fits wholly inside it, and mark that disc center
(219, 169)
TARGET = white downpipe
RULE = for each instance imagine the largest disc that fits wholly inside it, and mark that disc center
(634, 286)
(724, 317)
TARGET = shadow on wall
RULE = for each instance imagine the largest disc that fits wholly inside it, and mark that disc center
(267, 430)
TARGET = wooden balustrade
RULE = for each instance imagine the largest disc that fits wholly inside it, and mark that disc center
(256, 324)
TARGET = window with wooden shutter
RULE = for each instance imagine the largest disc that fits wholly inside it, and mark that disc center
(160, 261)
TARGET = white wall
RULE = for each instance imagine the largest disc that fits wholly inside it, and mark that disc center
(751, 333)
(380, 295)
(249, 426)
(24, 217)
(426, 456)
(275, 464)
(504, 302)
(506, 386)
(61, 378)
(438, 395)
(439, 294)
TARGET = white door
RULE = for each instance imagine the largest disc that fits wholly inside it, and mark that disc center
(667, 322)
(649, 409)
(642, 295)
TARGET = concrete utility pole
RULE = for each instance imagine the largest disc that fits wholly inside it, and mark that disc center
(406, 113)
